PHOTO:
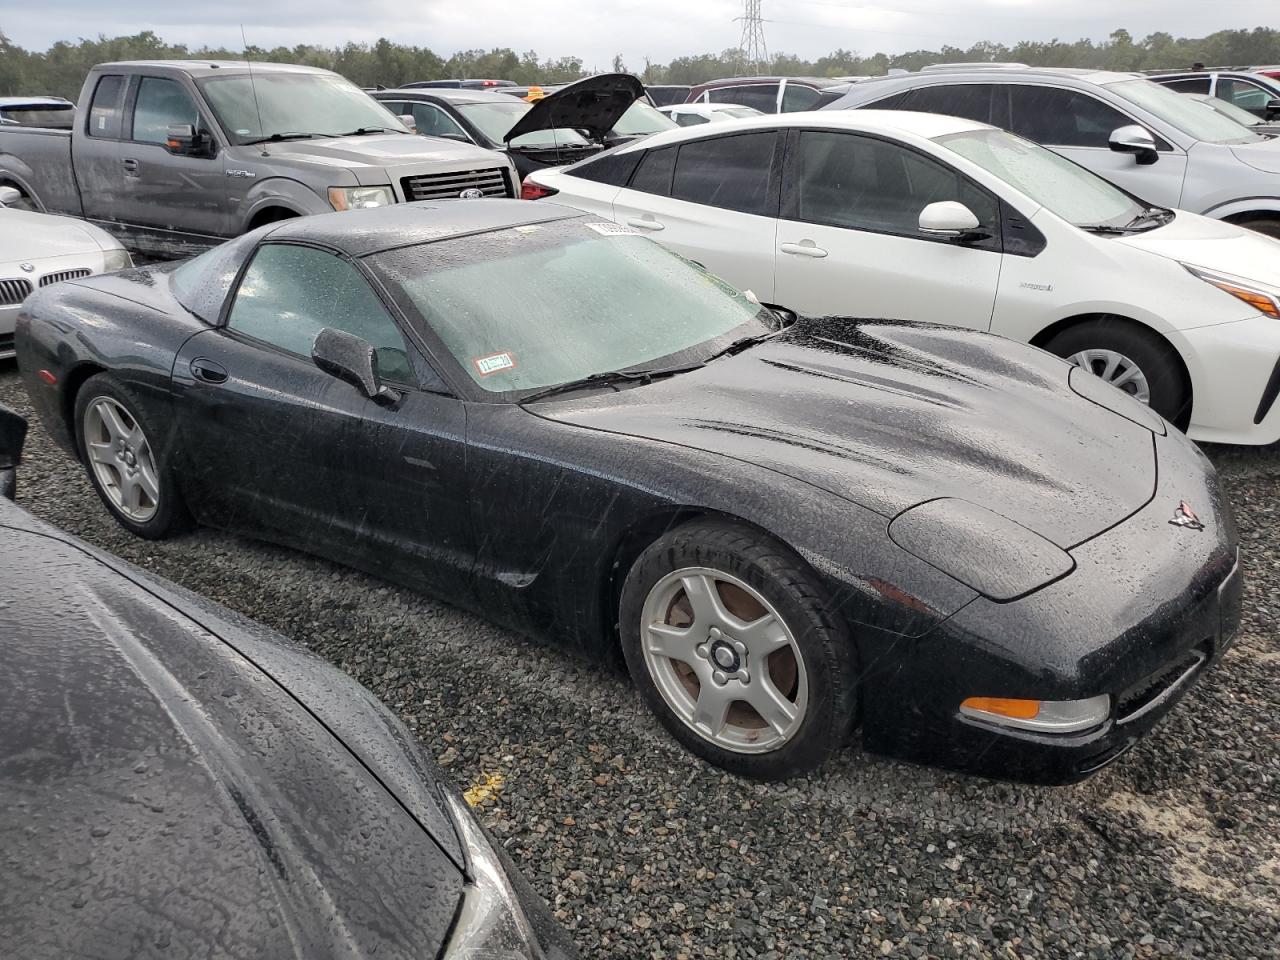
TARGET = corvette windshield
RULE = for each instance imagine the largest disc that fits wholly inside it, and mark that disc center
(1069, 190)
(544, 304)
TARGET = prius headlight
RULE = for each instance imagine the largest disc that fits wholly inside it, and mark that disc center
(360, 198)
(1261, 296)
(491, 924)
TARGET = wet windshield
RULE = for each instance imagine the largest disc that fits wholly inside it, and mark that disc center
(641, 119)
(318, 104)
(1182, 112)
(1066, 189)
(529, 307)
(495, 119)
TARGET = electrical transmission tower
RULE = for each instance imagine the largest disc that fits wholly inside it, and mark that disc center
(755, 54)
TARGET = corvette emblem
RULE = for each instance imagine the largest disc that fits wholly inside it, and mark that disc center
(471, 193)
(26, 267)
(1184, 516)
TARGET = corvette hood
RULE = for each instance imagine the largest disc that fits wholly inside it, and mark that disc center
(889, 415)
(164, 793)
(594, 105)
(1215, 244)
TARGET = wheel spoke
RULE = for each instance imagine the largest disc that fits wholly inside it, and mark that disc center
(674, 643)
(111, 420)
(704, 599)
(774, 709)
(147, 482)
(712, 707)
(1109, 371)
(763, 636)
(102, 453)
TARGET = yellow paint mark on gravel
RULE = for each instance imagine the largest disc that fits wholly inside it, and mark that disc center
(486, 787)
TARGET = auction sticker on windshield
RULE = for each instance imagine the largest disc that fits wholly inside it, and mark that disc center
(613, 230)
(494, 363)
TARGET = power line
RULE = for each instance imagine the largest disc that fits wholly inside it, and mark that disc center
(755, 54)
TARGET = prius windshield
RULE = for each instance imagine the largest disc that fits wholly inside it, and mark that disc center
(1066, 189)
(294, 106)
(541, 305)
(1182, 112)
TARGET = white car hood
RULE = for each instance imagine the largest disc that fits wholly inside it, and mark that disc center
(1214, 244)
(1264, 156)
(35, 236)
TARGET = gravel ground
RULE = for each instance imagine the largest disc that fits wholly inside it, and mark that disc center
(643, 851)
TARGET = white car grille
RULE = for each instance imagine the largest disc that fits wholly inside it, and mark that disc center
(14, 291)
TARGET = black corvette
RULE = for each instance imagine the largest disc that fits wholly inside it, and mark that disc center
(178, 782)
(984, 557)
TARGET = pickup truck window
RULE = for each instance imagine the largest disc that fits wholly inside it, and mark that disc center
(160, 104)
(105, 108)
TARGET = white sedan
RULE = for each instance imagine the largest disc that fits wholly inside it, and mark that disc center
(37, 249)
(925, 217)
(696, 114)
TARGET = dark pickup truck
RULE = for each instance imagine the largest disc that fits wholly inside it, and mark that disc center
(174, 156)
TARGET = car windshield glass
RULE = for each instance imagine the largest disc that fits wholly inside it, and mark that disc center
(1230, 110)
(495, 119)
(1182, 112)
(640, 119)
(1070, 191)
(545, 304)
(293, 103)
(740, 112)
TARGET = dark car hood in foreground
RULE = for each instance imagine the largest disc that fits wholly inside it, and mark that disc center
(889, 415)
(595, 105)
(162, 795)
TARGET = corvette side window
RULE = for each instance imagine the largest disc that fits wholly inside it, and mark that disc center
(290, 293)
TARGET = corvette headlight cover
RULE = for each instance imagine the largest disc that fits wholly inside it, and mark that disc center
(1000, 559)
(116, 259)
(1043, 716)
(360, 198)
(491, 924)
(1260, 296)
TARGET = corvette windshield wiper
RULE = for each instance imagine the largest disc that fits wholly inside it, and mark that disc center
(739, 345)
(609, 378)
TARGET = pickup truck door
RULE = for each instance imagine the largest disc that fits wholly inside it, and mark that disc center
(95, 150)
(176, 195)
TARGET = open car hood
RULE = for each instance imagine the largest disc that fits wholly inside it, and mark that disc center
(593, 105)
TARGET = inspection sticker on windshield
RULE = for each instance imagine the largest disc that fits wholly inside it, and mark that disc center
(494, 363)
(613, 230)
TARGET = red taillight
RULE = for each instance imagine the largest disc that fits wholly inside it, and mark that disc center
(536, 191)
(47, 376)
(489, 83)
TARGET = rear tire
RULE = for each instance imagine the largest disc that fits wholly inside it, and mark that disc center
(1132, 358)
(766, 638)
(127, 458)
(1267, 225)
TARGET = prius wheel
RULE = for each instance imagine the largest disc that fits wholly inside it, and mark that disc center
(1132, 359)
(129, 472)
(728, 642)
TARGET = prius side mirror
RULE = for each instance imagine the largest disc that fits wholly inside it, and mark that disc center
(951, 220)
(13, 431)
(1136, 140)
(349, 358)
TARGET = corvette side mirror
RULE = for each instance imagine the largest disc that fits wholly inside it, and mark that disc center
(13, 431)
(1136, 140)
(349, 358)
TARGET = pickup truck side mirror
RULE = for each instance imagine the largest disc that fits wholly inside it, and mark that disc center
(184, 140)
(349, 358)
(1136, 140)
(9, 196)
(13, 431)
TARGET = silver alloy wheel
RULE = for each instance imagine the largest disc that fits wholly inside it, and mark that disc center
(724, 660)
(121, 458)
(1117, 370)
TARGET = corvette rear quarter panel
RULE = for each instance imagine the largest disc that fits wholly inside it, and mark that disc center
(71, 329)
(563, 501)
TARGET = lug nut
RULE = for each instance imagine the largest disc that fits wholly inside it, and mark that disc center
(719, 678)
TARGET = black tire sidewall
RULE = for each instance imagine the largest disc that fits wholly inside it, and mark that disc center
(171, 515)
(791, 588)
(1155, 357)
(1267, 226)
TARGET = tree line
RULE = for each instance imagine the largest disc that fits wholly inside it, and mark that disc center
(61, 69)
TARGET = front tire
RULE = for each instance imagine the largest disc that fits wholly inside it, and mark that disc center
(1133, 359)
(120, 449)
(729, 642)
(1265, 225)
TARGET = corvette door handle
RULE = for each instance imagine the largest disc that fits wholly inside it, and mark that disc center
(208, 371)
(130, 165)
(805, 248)
(646, 224)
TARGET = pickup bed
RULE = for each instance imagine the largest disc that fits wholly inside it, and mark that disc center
(175, 156)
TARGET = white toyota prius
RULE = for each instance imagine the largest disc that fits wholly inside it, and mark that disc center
(925, 217)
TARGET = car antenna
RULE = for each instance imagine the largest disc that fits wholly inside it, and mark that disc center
(253, 87)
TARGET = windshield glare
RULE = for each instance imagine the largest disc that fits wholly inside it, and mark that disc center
(641, 119)
(1180, 111)
(1239, 114)
(1068, 190)
(314, 103)
(495, 119)
(540, 305)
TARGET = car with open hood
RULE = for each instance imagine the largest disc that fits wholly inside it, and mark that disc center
(179, 781)
(986, 557)
(568, 124)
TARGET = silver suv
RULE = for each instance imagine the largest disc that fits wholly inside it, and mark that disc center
(1147, 139)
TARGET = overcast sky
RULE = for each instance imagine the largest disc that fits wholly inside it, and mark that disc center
(597, 29)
